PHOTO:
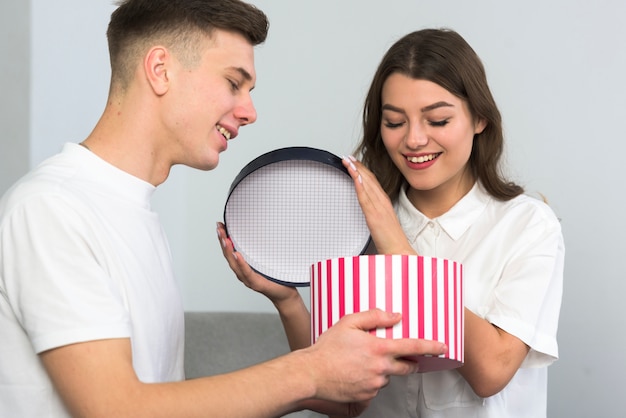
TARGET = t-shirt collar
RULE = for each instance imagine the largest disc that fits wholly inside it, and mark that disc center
(106, 175)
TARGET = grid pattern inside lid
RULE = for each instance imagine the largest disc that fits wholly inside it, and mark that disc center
(285, 216)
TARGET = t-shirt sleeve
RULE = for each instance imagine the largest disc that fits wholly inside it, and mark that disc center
(54, 270)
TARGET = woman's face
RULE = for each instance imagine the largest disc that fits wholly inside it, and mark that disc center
(428, 133)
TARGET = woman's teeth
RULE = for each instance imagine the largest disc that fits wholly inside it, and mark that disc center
(422, 158)
(223, 132)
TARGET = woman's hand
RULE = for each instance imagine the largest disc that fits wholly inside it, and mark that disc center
(387, 234)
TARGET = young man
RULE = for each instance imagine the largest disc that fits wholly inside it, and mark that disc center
(90, 319)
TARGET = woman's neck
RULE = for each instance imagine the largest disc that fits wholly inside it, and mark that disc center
(435, 202)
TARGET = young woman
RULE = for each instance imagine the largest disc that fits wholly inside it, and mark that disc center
(429, 182)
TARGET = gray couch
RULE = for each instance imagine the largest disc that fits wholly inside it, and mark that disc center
(219, 342)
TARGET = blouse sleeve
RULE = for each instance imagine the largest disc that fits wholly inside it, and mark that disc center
(527, 299)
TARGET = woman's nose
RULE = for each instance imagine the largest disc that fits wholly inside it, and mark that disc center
(416, 136)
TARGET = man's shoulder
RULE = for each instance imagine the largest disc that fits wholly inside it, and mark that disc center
(48, 181)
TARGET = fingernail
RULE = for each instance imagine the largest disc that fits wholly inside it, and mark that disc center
(223, 242)
(349, 161)
(360, 179)
(352, 158)
(235, 256)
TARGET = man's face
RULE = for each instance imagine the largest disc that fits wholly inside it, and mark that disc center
(209, 102)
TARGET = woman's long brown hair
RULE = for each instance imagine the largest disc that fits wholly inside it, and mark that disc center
(443, 57)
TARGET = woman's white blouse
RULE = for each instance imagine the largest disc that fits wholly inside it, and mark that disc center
(512, 254)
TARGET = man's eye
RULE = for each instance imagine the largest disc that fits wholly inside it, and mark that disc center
(233, 85)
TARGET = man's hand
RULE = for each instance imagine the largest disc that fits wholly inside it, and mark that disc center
(349, 364)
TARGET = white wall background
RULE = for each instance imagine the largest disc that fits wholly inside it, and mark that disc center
(557, 71)
(15, 89)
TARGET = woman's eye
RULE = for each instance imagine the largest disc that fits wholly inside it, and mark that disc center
(442, 122)
(392, 125)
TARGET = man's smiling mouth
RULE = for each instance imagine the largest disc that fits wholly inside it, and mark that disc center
(223, 131)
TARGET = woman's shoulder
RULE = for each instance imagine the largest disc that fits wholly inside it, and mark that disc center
(533, 209)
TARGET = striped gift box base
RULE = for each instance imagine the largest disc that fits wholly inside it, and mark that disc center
(427, 291)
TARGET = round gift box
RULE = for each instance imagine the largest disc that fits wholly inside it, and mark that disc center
(427, 291)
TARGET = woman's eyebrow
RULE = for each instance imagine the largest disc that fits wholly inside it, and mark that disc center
(392, 108)
(436, 106)
(423, 110)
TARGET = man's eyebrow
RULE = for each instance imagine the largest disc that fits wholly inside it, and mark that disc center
(244, 73)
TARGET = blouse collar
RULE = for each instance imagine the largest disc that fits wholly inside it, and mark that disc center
(454, 222)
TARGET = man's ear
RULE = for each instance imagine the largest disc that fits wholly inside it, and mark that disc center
(155, 67)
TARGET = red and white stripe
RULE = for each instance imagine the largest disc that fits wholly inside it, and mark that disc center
(427, 291)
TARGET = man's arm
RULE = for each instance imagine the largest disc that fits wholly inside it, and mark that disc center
(347, 364)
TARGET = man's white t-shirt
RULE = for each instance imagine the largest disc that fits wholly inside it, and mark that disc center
(82, 257)
(512, 255)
